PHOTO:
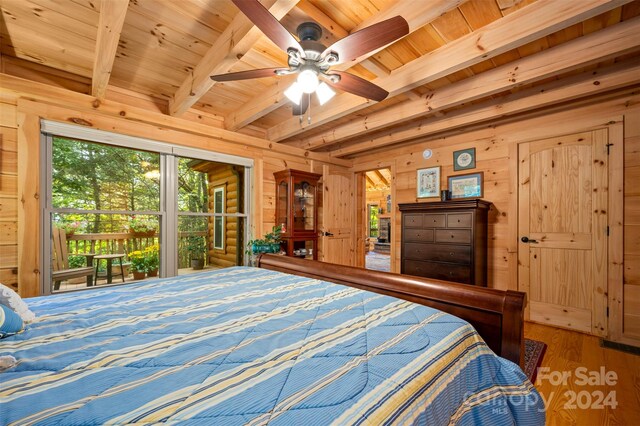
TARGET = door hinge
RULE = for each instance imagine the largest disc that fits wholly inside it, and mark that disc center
(607, 312)
(607, 230)
(609, 145)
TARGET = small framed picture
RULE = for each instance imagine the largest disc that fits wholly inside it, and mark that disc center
(464, 159)
(429, 182)
(466, 186)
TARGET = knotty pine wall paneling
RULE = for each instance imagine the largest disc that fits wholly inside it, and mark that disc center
(496, 156)
(631, 289)
(8, 195)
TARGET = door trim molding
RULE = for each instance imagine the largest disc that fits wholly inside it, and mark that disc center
(615, 249)
(360, 205)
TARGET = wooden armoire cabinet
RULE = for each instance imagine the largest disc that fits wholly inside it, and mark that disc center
(446, 240)
(297, 194)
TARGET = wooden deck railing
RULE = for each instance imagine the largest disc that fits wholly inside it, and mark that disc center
(124, 242)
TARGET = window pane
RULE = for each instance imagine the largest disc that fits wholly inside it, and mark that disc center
(218, 204)
(193, 243)
(92, 176)
(373, 220)
(218, 233)
(197, 181)
(87, 249)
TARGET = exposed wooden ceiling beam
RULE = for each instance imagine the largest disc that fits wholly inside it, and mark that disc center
(611, 41)
(382, 178)
(417, 14)
(584, 85)
(321, 18)
(112, 13)
(532, 22)
(236, 40)
(369, 181)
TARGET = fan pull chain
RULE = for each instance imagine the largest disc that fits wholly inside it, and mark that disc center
(309, 110)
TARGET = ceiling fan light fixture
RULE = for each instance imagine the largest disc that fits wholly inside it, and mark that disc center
(294, 93)
(308, 81)
(324, 92)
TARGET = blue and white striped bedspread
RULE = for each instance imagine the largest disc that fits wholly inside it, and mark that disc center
(252, 346)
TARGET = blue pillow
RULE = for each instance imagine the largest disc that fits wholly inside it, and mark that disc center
(10, 322)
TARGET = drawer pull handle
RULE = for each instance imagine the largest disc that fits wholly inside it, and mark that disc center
(451, 254)
(452, 236)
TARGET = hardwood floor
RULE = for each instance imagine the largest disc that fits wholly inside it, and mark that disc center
(567, 351)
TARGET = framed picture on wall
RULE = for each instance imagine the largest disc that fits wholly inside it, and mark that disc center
(466, 186)
(464, 159)
(429, 182)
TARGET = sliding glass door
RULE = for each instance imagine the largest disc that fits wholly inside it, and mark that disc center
(120, 209)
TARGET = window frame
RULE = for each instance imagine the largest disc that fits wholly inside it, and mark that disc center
(218, 215)
(168, 212)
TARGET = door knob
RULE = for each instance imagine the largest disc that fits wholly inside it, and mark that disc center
(527, 240)
(328, 234)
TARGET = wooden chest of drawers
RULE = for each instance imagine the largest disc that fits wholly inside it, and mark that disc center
(446, 240)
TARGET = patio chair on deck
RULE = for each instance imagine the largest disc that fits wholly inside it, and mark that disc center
(61, 271)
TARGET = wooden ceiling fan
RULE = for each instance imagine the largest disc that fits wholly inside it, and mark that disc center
(312, 61)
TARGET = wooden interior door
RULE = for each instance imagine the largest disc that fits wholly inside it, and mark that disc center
(338, 205)
(562, 224)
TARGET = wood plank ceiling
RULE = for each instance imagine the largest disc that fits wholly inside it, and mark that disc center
(465, 63)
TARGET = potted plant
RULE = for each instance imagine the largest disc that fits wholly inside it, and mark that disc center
(270, 243)
(138, 264)
(152, 260)
(141, 227)
(196, 246)
(69, 228)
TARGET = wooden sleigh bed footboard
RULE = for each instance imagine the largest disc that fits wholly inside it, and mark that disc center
(497, 315)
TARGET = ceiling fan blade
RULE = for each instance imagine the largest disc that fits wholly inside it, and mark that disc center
(245, 75)
(358, 86)
(268, 24)
(304, 105)
(368, 39)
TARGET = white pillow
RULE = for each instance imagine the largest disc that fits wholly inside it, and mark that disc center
(12, 300)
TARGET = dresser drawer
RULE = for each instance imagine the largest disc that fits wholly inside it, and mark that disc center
(412, 220)
(461, 236)
(419, 235)
(438, 252)
(459, 220)
(434, 220)
(437, 270)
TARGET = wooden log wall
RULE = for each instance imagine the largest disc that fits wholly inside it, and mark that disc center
(496, 156)
(224, 175)
(8, 196)
(23, 103)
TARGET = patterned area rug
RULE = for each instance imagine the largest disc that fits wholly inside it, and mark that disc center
(533, 354)
(378, 261)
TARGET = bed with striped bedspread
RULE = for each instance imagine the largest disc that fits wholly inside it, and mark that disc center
(252, 346)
